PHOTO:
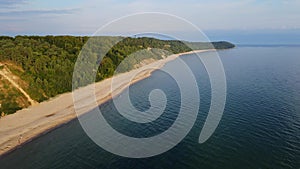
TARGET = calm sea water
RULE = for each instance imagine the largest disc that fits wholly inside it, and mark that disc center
(260, 127)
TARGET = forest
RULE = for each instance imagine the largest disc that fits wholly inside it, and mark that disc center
(45, 64)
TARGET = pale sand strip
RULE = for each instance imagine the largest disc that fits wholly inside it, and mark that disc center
(26, 124)
(6, 74)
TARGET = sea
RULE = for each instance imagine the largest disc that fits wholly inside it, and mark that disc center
(259, 128)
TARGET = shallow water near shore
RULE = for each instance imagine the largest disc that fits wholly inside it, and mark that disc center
(260, 127)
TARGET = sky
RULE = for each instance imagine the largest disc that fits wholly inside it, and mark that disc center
(241, 21)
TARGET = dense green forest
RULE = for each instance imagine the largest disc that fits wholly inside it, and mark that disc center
(46, 63)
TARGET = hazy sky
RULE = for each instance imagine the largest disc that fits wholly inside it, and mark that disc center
(84, 17)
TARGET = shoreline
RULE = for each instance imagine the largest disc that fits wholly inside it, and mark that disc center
(27, 124)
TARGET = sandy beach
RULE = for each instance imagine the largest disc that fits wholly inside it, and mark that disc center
(27, 124)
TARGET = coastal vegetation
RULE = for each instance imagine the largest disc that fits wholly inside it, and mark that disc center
(43, 65)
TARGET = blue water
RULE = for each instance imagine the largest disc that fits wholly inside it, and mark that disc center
(260, 127)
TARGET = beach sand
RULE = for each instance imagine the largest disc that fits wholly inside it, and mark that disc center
(27, 124)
